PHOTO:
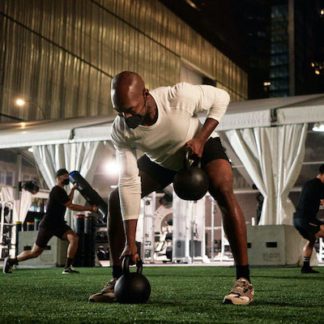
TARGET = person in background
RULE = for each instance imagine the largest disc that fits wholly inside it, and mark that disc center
(53, 224)
(164, 124)
(305, 220)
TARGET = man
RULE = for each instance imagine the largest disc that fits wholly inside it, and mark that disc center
(163, 124)
(305, 221)
(53, 224)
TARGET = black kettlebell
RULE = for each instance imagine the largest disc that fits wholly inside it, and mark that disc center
(191, 183)
(132, 287)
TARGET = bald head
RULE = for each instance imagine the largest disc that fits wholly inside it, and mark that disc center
(127, 88)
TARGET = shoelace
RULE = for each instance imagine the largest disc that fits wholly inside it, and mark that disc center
(110, 284)
(241, 286)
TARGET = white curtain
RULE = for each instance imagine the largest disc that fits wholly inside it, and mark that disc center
(20, 206)
(291, 147)
(273, 158)
(23, 205)
(82, 157)
(7, 196)
(7, 193)
(75, 156)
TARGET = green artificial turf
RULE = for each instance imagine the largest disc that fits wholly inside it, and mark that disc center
(179, 295)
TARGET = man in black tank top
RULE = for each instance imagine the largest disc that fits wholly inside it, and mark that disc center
(305, 220)
(53, 224)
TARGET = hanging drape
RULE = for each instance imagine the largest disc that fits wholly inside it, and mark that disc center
(273, 158)
(291, 152)
(82, 157)
(7, 193)
(23, 205)
(74, 156)
(20, 206)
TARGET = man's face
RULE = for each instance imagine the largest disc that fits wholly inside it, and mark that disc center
(321, 177)
(130, 104)
(64, 179)
(131, 107)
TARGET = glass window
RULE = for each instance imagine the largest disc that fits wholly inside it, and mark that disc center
(2, 177)
(314, 150)
(9, 178)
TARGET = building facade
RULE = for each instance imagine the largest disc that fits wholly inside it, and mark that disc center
(296, 47)
(61, 55)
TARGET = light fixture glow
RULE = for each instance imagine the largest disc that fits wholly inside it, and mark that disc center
(20, 102)
(318, 127)
(192, 4)
(111, 168)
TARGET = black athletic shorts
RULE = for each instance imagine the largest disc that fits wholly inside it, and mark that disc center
(306, 228)
(45, 234)
(213, 150)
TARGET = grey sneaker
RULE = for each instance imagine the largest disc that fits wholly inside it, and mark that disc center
(241, 294)
(70, 270)
(7, 265)
(106, 295)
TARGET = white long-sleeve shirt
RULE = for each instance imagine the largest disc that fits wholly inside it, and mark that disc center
(164, 142)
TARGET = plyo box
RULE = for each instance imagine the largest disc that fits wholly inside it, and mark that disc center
(274, 245)
(53, 255)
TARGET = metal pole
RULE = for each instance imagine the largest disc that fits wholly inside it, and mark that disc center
(212, 228)
(193, 205)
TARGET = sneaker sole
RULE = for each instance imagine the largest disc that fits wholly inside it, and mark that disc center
(6, 268)
(237, 301)
(309, 272)
(101, 298)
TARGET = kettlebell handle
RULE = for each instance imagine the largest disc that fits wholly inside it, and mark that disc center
(126, 263)
(196, 162)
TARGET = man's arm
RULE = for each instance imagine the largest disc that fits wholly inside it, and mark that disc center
(75, 207)
(130, 198)
(130, 243)
(69, 204)
(71, 194)
(196, 144)
(214, 101)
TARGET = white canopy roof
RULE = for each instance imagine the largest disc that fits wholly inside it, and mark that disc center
(273, 111)
(31, 133)
(244, 114)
